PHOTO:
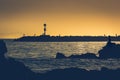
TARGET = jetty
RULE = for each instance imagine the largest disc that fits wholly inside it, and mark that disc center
(44, 37)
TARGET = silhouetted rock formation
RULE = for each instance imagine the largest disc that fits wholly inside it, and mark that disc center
(10, 69)
(111, 50)
(82, 74)
(60, 56)
(83, 56)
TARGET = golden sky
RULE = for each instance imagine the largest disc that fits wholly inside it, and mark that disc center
(64, 17)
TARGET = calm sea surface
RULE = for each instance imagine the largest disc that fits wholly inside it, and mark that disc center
(39, 56)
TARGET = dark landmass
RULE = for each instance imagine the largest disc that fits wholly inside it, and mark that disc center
(10, 69)
(14, 70)
(81, 74)
(48, 38)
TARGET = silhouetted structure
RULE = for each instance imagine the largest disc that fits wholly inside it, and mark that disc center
(10, 69)
(45, 29)
(48, 38)
(109, 40)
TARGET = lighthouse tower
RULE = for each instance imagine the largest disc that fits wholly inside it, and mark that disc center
(44, 29)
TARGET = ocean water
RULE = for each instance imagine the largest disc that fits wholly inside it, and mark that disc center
(40, 56)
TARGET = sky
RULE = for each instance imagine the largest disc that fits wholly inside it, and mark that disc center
(63, 17)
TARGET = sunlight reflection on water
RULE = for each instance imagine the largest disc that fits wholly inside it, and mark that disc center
(49, 49)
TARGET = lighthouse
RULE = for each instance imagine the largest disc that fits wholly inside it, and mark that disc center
(44, 29)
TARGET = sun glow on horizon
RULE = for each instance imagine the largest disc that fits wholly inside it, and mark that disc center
(68, 18)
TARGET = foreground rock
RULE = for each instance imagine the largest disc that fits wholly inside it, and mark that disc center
(83, 56)
(60, 56)
(10, 69)
(82, 74)
(111, 50)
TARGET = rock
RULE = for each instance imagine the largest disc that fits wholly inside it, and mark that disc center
(60, 56)
(82, 74)
(84, 56)
(110, 50)
(10, 69)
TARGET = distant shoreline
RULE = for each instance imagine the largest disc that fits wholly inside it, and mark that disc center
(48, 38)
